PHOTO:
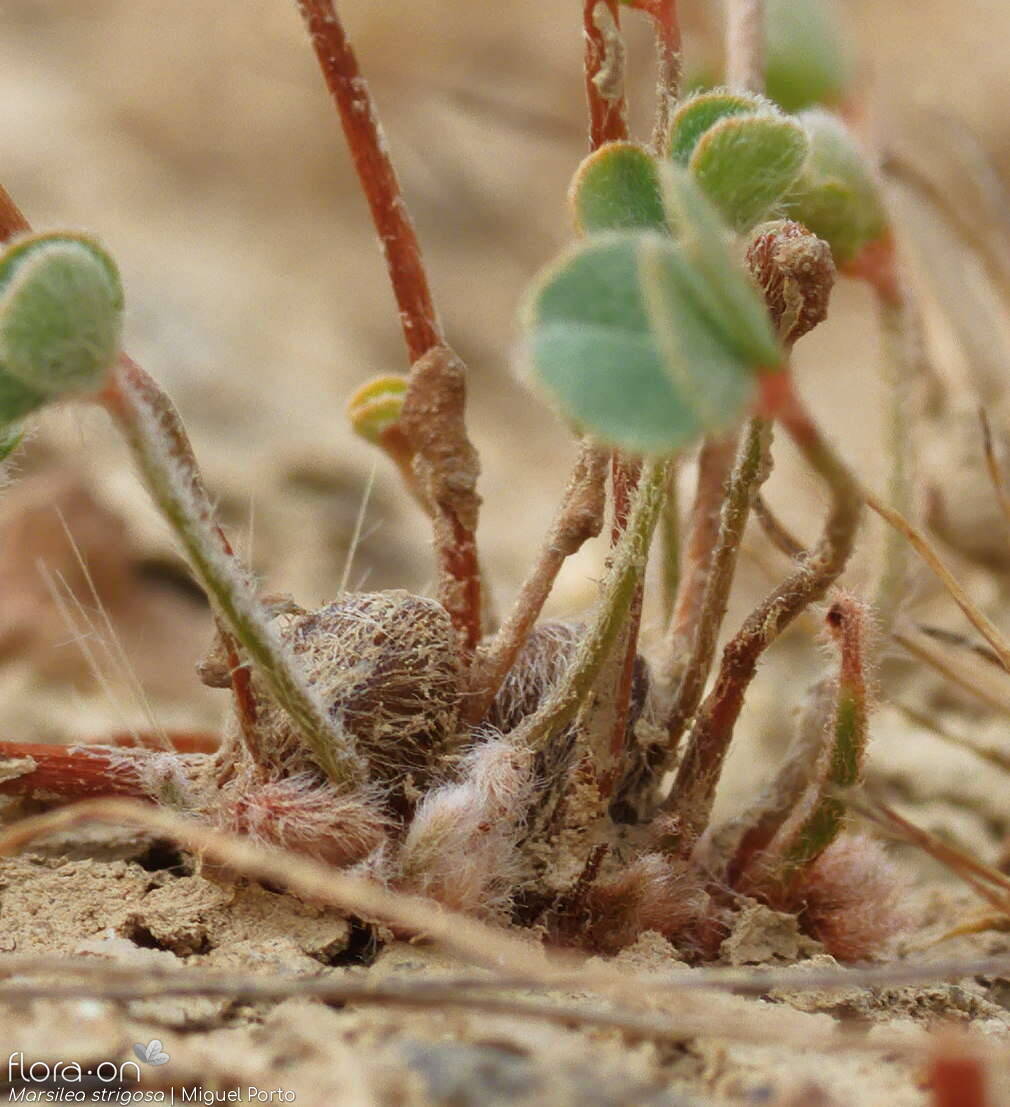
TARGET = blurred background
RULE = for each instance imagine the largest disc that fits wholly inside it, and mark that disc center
(197, 141)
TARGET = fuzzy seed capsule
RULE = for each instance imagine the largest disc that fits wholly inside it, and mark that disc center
(386, 666)
(796, 272)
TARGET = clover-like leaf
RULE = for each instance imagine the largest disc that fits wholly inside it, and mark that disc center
(807, 61)
(724, 290)
(746, 164)
(61, 308)
(376, 406)
(621, 333)
(696, 114)
(617, 188)
(837, 196)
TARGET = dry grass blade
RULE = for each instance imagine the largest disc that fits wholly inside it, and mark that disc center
(922, 546)
(961, 642)
(159, 980)
(962, 680)
(986, 881)
(472, 941)
(993, 467)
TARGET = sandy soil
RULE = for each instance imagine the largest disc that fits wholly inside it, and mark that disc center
(198, 142)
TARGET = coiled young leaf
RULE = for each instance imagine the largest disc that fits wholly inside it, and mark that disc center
(376, 406)
(61, 308)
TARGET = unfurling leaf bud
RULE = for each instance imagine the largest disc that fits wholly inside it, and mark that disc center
(796, 272)
(377, 406)
(837, 195)
(617, 188)
(806, 57)
(61, 310)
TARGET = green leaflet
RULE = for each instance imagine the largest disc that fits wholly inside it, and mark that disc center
(696, 114)
(744, 153)
(746, 164)
(724, 290)
(61, 307)
(836, 196)
(622, 334)
(806, 60)
(617, 188)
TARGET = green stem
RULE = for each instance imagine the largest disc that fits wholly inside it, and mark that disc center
(897, 368)
(670, 536)
(818, 823)
(579, 519)
(622, 582)
(749, 471)
(158, 441)
(712, 733)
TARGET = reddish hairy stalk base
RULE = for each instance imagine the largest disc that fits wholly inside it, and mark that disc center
(182, 741)
(65, 774)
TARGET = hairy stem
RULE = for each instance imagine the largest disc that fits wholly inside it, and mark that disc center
(712, 732)
(437, 379)
(66, 774)
(666, 19)
(604, 70)
(446, 465)
(621, 584)
(367, 144)
(715, 462)
(670, 537)
(817, 823)
(668, 50)
(579, 519)
(12, 222)
(878, 266)
(158, 441)
(750, 470)
(626, 474)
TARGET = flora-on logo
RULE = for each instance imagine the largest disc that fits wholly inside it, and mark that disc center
(152, 1053)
